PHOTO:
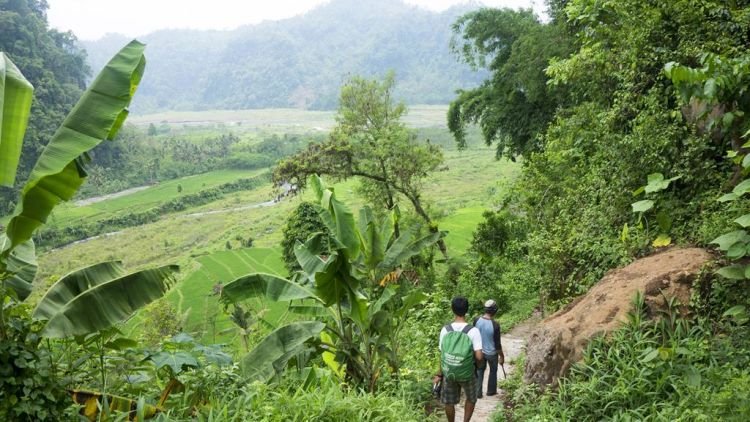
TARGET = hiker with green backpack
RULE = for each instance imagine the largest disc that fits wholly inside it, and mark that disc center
(460, 350)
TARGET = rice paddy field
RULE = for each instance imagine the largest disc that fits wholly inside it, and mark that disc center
(199, 238)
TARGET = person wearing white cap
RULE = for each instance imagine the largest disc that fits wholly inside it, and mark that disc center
(491, 348)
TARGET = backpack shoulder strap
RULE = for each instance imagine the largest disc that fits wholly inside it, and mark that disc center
(467, 328)
(448, 328)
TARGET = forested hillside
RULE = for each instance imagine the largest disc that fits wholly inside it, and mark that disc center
(302, 61)
(278, 268)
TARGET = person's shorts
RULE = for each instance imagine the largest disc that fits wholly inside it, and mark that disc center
(451, 393)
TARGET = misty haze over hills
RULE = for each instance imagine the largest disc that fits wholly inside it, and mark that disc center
(299, 62)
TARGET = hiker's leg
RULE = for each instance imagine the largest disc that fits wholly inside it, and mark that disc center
(450, 412)
(492, 382)
(450, 397)
(480, 381)
(470, 390)
(468, 411)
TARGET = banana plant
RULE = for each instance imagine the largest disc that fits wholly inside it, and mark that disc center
(97, 297)
(360, 330)
(61, 168)
(15, 105)
(382, 251)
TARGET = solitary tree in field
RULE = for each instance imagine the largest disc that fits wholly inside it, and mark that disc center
(370, 142)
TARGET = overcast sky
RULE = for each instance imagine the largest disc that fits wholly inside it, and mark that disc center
(91, 19)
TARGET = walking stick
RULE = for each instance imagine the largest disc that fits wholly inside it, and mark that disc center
(502, 365)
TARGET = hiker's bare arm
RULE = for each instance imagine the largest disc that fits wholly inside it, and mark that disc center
(478, 355)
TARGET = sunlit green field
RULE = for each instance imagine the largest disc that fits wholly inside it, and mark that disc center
(144, 199)
(197, 239)
(195, 294)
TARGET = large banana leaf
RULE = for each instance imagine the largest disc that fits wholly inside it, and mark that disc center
(338, 218)
(260, 284)
(73, 284)
(108, 302)
(15, 105)
(405, 247)
(310, 255)
(272, 354)
(98, 115)
(21, 265)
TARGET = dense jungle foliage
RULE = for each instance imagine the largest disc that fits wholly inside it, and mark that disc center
(639, 145)
(628, 119)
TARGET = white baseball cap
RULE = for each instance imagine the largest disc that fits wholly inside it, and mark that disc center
(490, 304)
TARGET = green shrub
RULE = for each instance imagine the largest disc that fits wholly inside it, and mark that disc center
(30, 387)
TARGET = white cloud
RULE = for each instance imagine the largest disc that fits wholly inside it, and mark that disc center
(91, 19)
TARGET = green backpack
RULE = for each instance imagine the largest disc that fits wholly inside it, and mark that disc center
(457, 354)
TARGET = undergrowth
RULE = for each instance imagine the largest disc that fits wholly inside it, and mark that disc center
(670, 368)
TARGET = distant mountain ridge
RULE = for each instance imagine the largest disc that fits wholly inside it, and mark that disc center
(299, 62)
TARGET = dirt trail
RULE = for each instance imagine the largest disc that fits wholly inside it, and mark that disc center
(513, 344)
(95, 199)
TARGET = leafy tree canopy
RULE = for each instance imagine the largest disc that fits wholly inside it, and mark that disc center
(515, 104)
(371, 143)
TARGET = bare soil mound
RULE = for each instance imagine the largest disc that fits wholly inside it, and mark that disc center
(560, 339)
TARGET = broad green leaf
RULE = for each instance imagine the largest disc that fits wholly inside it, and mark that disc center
(271, 355)
(746, 161)
(642, 206)
(109, 302)
(181, 338)
(656, 182)
(404, 248)
(625, 233)
(388, 294)
(120, 343)
(214, 354)
(373, 245)
(74, 284)
(737, 251)
(709, 88)
(727, 119)
(21, 265)
(725, 241)
(16, 94)
(329, 355)
(344, 228)
(176, 361)
(269, 286)
(731, 196)
(743, 221)
(310, 255)
(742, 188)
(661, 241)
(734, 311)
(97, 116)
(334, 283)
(732, 272)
